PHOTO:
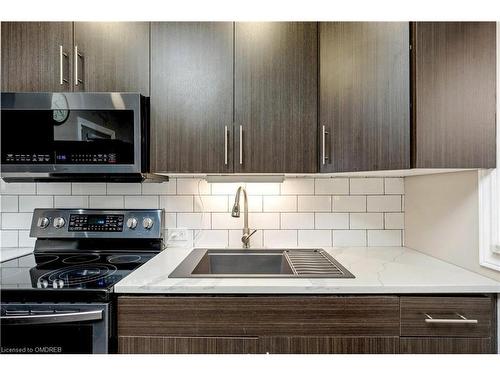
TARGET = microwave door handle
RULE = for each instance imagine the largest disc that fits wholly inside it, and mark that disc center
(81, 316)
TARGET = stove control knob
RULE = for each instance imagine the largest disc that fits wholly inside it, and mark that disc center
(59, 222)
(43, 283)
(43, 222)
(132, 223)
(147, 223)
(58, 284)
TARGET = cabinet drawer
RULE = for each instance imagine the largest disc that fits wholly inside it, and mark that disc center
(446, 316)
(258, 316)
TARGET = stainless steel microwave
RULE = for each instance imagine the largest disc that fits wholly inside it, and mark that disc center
(74, 136)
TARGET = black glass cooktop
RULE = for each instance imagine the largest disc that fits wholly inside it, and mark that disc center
(69, 271)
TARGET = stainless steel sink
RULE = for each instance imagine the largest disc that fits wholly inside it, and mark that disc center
(258, 263)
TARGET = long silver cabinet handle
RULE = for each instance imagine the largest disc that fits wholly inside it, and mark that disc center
(241, 144)
(77, 55)
(323, 145)
(83, 316)
(62, 55)
(461, 320)
(225, 145)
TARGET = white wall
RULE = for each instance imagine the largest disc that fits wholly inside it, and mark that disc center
(298, 212)
(442, 218)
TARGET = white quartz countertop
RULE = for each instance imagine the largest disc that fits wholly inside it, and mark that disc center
(7, 253)
(376, 270)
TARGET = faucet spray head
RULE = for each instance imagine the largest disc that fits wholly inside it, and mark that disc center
(235, 212)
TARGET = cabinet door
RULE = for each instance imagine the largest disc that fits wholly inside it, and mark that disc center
(191, 97)
(113, 56)
(455, 94)
(36, 56)
(364, 96)
(329, 345)
(186, 345)
(275, 97)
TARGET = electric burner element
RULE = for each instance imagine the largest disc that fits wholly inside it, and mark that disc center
(121, 259)
(76, 275)
(81, 259)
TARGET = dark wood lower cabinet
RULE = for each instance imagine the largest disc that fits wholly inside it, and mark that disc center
(445, 345)
(329, 345)
(187, 345)
(334, 324)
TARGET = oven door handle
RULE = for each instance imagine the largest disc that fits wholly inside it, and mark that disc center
(81, 316)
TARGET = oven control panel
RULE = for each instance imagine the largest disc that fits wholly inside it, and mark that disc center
(93, 223)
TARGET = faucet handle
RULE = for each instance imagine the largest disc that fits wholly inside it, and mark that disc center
(246, 238)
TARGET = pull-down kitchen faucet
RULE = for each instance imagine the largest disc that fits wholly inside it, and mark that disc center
(245, 239)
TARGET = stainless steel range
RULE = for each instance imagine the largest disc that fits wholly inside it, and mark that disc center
(59, 299)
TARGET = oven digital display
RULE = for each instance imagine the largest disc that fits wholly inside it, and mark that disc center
(96, 219)
(95, 223)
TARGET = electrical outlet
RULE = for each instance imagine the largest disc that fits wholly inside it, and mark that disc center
(178, 236)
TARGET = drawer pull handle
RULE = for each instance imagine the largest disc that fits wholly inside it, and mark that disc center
(462, 320)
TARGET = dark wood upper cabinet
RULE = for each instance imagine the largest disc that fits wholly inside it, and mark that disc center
(36, 56)
(364, 96)
(192, 97)
(112, 56)
(275, 83)
(454, 95)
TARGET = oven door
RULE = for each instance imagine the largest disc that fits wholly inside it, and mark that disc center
(54, 328)
(63, 133)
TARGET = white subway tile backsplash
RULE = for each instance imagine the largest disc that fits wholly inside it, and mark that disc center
(284, 203)
(193, 220)
(73, 201)
(384, 238)
(176, 203)
(192, 186)
(88, 188)
(314, 203)
(16, 220)
(27, 203)
(394, 220)
(313, 238)
(331, 186)
(211, 238)
(123, 188)
(366, 186)
(235, 238)
(25, 240)
(226, 221)
(160, 188)
(141, 201)
(280, 238)
(394, 185)
(366, 221)
(210, 203)
(349, 204)
(170, 220)
(297, 186)
(225, 188)
(8, 238)
(259, 220)
(265, 188)
(349, 238)
(9, 203)
(106, 201)
(326, 220)
(299, 220)
(53, 188)
(17, 188)
(307, 212)
(383, 203)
